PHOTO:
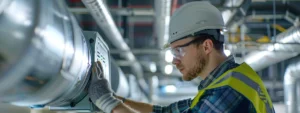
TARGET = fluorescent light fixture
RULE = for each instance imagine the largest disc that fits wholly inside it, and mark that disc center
(153, 68)
(227, 52)
(168, 56)
(168, 69)
(170, 89)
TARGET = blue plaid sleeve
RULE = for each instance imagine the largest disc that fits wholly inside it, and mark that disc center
(177, 107)
(219, 100)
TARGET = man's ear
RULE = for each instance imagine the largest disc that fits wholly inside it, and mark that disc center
(208, 46)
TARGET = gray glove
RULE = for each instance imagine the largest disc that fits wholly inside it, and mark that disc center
(100, 91)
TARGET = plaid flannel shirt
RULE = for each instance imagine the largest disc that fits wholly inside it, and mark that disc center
(218, 100)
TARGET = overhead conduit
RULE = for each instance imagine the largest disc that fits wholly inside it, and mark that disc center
(287, 46)
(103, 18)
(161, 27)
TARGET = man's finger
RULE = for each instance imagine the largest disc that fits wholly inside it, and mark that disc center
(99, 70)
(94, 72)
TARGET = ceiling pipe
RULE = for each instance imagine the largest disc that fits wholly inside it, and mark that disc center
(161, 27)
(241, 10)
(291, 87)
(119, 11)
(103, 18)
(162, 20)
(286, 41)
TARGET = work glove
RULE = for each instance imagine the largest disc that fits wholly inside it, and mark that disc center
(100, 91)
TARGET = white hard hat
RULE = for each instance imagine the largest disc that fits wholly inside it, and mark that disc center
(192, 17)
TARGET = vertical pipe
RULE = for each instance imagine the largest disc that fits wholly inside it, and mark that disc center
(243, 34)
(161, 27)
(290, 88)
(151, 88)
(130, 34)
(272, 76)
(274, 21)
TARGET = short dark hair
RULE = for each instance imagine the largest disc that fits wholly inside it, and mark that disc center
(218, 45)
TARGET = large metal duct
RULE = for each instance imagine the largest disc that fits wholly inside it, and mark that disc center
(44, 58)
(102, 16)
(286, 46)
(119, 81)
(291, 87)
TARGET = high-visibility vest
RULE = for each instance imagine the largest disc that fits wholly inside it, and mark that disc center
(244, 80)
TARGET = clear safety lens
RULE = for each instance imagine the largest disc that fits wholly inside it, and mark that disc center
(177, 52)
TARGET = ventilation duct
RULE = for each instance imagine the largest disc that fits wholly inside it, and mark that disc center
(41, 47)
(286, 46)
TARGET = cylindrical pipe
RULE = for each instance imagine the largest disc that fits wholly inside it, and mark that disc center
(291, 77)
(120, 83)
(162, 20)
(287, 41)
(41, 47)
(103, 18)
(161, 27)
(120, 11)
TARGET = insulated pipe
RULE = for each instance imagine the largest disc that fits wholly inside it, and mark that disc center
(120, 83)
(162, 20)
(287, 41)
(44, 58)
(161, 27)
(291, 87)
(120, 11)
(103, 18)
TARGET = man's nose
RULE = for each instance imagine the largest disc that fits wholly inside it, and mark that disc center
(176, 61)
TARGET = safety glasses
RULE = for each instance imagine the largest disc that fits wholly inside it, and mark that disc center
(179, 52)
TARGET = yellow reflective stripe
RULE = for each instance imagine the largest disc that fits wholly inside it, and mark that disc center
(249, 84)
(247, 70)
(200, 93)
(252, 87)
(210, 86)
(249, 93)
(227, 73)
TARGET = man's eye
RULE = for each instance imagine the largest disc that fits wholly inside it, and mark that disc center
(177, 50)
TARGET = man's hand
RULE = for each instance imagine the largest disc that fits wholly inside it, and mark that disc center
(100, 91)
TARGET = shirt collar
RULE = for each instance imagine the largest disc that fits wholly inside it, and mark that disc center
(229, 63)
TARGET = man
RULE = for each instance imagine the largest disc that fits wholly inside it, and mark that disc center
(197, 46)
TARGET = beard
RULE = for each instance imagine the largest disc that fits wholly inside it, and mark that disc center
(198, 67)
